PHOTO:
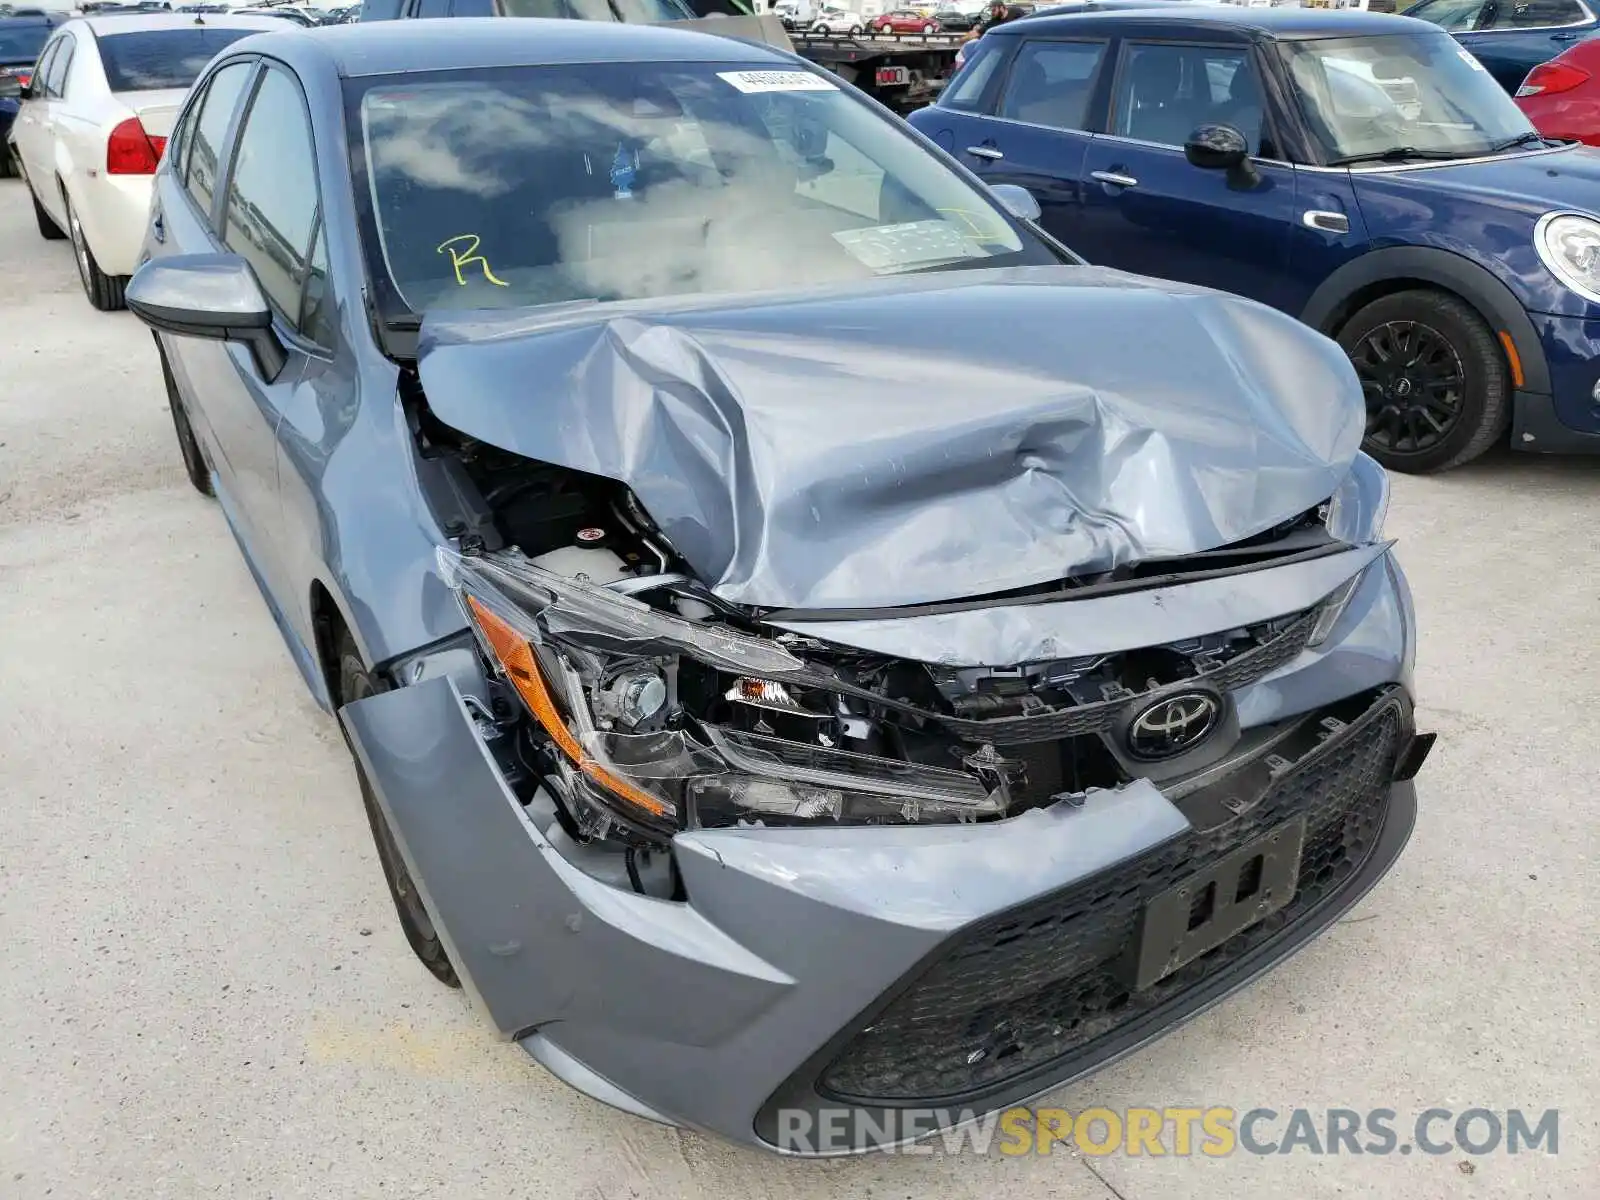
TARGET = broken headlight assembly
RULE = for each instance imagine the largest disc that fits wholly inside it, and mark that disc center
(602, 675)
(1354, 514)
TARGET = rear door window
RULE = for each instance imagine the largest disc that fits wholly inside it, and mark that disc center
(1535, 14)
(210, 129)
(162, 58)
(55, 76)
(1051, 82)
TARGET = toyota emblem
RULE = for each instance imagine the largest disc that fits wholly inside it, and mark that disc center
(1173, 724)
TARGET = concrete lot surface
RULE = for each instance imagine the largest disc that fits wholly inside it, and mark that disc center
(206, 992)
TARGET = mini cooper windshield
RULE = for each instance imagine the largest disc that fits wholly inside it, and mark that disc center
(1403, 97)
(542, 185)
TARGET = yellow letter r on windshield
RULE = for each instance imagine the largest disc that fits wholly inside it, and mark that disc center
(467, 257)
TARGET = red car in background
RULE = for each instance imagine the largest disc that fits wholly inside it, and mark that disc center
(904, 20)
(1562, 97)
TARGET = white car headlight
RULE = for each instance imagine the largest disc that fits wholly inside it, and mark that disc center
(1569, 245)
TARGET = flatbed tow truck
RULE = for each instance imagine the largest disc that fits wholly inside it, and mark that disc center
(902, 71)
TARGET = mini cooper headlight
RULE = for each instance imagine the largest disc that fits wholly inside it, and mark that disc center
(1569, 245)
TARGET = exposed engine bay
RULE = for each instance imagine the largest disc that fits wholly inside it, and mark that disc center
(637, 682)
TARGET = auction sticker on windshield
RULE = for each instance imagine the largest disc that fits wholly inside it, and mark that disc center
(751, 82)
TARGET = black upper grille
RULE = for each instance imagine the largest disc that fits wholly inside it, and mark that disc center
(1053, 724)
(1035, 984)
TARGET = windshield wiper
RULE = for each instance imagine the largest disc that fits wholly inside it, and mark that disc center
(1522, 139)
(1394, 154)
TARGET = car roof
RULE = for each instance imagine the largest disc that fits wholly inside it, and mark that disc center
(144, 22)
(395, 47)
(1269, 24)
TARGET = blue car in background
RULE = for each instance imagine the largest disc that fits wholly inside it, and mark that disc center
(1359, 171)
(21, 39)
(1511, 37)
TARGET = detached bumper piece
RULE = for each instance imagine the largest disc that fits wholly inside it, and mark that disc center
(1030, 997)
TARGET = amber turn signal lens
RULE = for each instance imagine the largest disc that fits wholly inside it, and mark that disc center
(516, 656)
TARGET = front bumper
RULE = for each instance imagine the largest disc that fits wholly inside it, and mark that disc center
(1567, 421)
(876, 971)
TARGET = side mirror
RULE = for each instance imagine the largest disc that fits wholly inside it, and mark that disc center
(1221, 148)
(212, 296)
(1016, 200)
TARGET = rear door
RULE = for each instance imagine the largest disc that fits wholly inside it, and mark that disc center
(1147, 210)
(183, 211)
(1511, 37)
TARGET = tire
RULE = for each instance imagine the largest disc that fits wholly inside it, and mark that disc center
(104, 291)
(356, 683)
(1434, 379)
(855, 31)
(48, 229)
(929, 30)
(194, 458)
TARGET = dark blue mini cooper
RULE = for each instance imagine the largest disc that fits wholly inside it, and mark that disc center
(1362, 172)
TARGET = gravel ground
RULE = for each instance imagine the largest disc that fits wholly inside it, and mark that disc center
(207, 992)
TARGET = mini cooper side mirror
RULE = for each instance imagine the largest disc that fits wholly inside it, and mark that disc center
(213, 296)
(1016, 200)
(1221, 148)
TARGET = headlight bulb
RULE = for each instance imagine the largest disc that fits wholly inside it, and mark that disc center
(633, 697)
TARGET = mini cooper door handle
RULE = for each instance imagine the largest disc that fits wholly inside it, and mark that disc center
(1114, 178)
(1325, 222)
(985, 152)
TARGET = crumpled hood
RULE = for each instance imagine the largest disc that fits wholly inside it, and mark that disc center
(917, 438)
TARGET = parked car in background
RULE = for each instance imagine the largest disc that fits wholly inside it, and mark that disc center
(955, 21)
(620, 11)
(1399, 201)
(748, 719)
(1562, 97)
(299, 16)
(21, 40)
(839, 20)
(904, 20)
(1511, 37)
(94, 121)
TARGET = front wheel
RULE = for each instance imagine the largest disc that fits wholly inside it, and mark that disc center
(1433, 377)
(357, 683)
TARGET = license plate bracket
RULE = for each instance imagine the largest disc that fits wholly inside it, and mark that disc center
(1210, 906)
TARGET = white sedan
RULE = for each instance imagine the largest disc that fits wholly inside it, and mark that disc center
(834, 20)
(94, 121)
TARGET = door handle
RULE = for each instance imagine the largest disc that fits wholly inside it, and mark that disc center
(985, 152)
(1325, 222)
(1114, 178)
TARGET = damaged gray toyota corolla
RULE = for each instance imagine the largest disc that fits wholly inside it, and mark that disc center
(817, 689)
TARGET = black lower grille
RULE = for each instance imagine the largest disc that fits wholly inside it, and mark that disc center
(1032, 985)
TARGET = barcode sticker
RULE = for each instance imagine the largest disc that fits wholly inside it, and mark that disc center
(751, 82)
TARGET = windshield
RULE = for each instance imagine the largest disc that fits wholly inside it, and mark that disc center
(632, 12)
(1410, 92)
(539, 185)
(162, 58)
(22, 42)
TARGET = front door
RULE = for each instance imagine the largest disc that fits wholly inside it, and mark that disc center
(1146, 209)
